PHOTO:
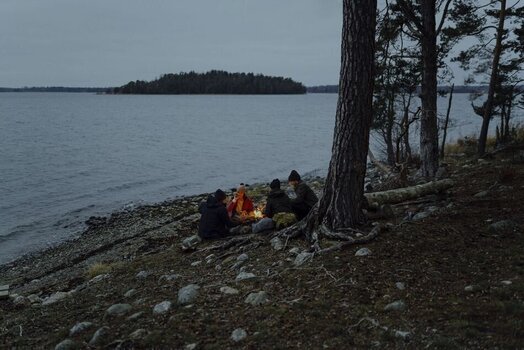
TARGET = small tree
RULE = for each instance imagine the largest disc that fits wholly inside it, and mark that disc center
(498, 56)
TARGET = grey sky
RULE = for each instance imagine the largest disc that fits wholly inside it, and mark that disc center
(109, 42)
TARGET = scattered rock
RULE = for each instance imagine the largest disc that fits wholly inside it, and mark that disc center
(242, 257)
(190, 346)
(140, 301)
(118, 309)
(228, 290)
(276, 243)
(188, 294)
(400, 286)
(294, 251)
(190, 243)
(242, 276)
(363, 252)
(100, 336)
(504, 226)
(420, 216)
(34, 299)
(481, 194)
(53, 298)
(143, 274)
(169, 278)
(98, 278)
(210, 258)
(432, 209)
(135, 316)
(302, 258)
(506, 283)
(162, 308)
(138, 334)
(79, 328)
(238, 335)
(395, 306)
(471, 288)
(21, 301)
(196, 263)
(67, 344)
(257, 299)
(403, 335)
(130, 293)
(237, 265)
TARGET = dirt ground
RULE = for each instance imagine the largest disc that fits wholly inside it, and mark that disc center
(464, 285)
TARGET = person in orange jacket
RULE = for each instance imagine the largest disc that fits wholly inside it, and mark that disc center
(241, 207)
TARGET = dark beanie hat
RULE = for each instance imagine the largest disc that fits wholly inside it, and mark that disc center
(275, 184)
(294, 176)
(220, 195)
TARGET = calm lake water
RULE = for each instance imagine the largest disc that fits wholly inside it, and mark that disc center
(65, 157)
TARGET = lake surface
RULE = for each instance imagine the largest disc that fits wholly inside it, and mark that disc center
(65, 157)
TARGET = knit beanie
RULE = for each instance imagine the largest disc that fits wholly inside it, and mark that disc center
(294, 176)
(275, 184)
(220, 195)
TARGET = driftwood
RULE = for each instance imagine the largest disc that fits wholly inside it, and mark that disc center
(399, 195)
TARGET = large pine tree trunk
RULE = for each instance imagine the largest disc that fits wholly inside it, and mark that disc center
(341, 203)
(428, 122)
(488, 107)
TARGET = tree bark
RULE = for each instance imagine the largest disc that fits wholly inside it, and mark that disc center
(341, 203)
(488, 108)
(428, 122)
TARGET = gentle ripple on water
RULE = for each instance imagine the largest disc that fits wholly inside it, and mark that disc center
(65, 157)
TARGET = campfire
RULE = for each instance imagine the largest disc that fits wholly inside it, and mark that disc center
(258, 212)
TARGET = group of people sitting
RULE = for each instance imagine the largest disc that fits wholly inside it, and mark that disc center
(220, 218)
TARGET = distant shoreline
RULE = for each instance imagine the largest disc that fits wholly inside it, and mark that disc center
(320, 89)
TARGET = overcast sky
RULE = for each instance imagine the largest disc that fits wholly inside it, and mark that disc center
(110, 42)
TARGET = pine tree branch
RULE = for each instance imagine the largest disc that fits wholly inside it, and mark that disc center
(413, 20)
(444, 15)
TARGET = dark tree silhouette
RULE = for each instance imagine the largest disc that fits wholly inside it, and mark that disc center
(213, 82)
(340, 207)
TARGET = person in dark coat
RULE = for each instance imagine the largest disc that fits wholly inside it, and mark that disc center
(305, 199)
(215, 222)
(277, 200)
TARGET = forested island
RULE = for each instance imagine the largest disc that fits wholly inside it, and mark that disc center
(212, 82)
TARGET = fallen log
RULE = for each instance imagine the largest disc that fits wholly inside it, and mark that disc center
(376, 199)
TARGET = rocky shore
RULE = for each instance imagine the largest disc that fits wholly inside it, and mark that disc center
(447, 273)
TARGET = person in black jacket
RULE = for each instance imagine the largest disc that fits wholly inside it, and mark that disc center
(277, 200)
(306, 198)
(215, 222)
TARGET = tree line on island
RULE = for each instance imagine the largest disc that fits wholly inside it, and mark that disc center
(212, 82)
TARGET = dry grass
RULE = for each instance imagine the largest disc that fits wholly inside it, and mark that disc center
(468, 144)
(98, 269)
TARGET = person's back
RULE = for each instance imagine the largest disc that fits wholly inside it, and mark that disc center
(215, 222)
(277, 201)
(306, 194)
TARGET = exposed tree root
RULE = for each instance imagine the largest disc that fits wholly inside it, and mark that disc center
(232, 242)
(314, 232)
(351, 241)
